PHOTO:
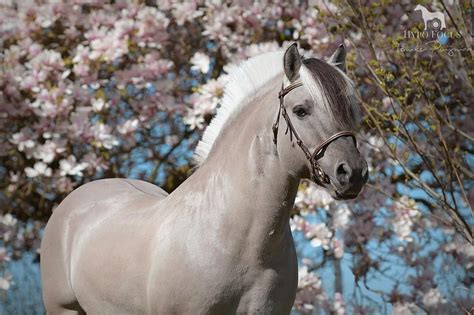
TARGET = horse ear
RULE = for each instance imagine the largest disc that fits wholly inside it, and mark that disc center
(292, 62)
(338, 58)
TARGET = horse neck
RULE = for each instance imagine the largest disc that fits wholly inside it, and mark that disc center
(245, 176)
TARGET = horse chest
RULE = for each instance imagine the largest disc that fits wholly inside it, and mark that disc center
(210, 282)
(264, 292)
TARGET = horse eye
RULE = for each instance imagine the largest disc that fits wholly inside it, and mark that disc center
(300, 111)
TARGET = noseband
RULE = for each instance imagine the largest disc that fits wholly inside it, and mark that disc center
(317, 174)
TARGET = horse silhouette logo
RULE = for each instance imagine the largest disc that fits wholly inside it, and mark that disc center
(433, 20)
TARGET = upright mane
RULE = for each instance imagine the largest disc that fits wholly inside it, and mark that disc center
(329, 86)
(251, 79)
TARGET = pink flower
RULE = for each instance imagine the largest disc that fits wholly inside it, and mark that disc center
(298, 223)
(14, 177)
(405, 309)
(6, 281)
(341, 216)
(311, 196)
(204, 102)
(98, 104)
(200, 62)
(338, 248)
(338, 306)
(8, 220)
(103, 136)
(124, 28)
(70, 166)
(432, 298)
(80, 122)
(310, 292)
(39, 169)
(4, 255)
(405, 216)
(22, 140)
(128, 126)
(45, 62)
(185, 11)
(107, 44)
(194, 122)
(96, 162)
(319, 234)
(308, 279)
(47, 151)
(152, 25)
(81, 61)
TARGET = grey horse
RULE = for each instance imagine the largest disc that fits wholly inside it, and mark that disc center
(221, 242)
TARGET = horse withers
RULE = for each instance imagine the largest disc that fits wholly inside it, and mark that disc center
(221, 242)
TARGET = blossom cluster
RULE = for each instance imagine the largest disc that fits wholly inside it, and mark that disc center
(98, 89)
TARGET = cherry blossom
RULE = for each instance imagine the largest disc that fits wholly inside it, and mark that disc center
(39, 169)
(70, 166)
(313, 196)
(200, 62)
(432, 298)
(405, 309)
(338, 248)
(8, 220)
(342, 216)
(4, 255)
(319, 234)
(128, 126)
(204, 102)
(405, 216)
(185, 11)
(5, 282)
(92, 90)
(98, 104)
(23, 141)
(48, 151)
(310, 292)
(103, 136)
(338, 306)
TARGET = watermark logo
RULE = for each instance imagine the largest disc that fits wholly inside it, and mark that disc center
(434, 37)
(433, 20)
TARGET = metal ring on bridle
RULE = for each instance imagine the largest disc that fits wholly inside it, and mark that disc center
(317, 174)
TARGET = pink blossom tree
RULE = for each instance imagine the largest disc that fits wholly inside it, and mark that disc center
(92, 89)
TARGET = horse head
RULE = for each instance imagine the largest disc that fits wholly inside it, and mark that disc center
(419, 7)
(318, 104)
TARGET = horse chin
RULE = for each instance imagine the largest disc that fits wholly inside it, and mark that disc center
(338, 196)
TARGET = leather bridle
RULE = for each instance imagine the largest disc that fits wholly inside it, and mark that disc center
(317, 174)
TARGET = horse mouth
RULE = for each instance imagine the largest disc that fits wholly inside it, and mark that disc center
(340, 196)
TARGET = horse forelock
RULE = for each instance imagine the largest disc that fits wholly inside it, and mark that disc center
(331, 88)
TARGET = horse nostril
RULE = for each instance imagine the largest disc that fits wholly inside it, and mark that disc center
(341, 169)
(343, 173)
